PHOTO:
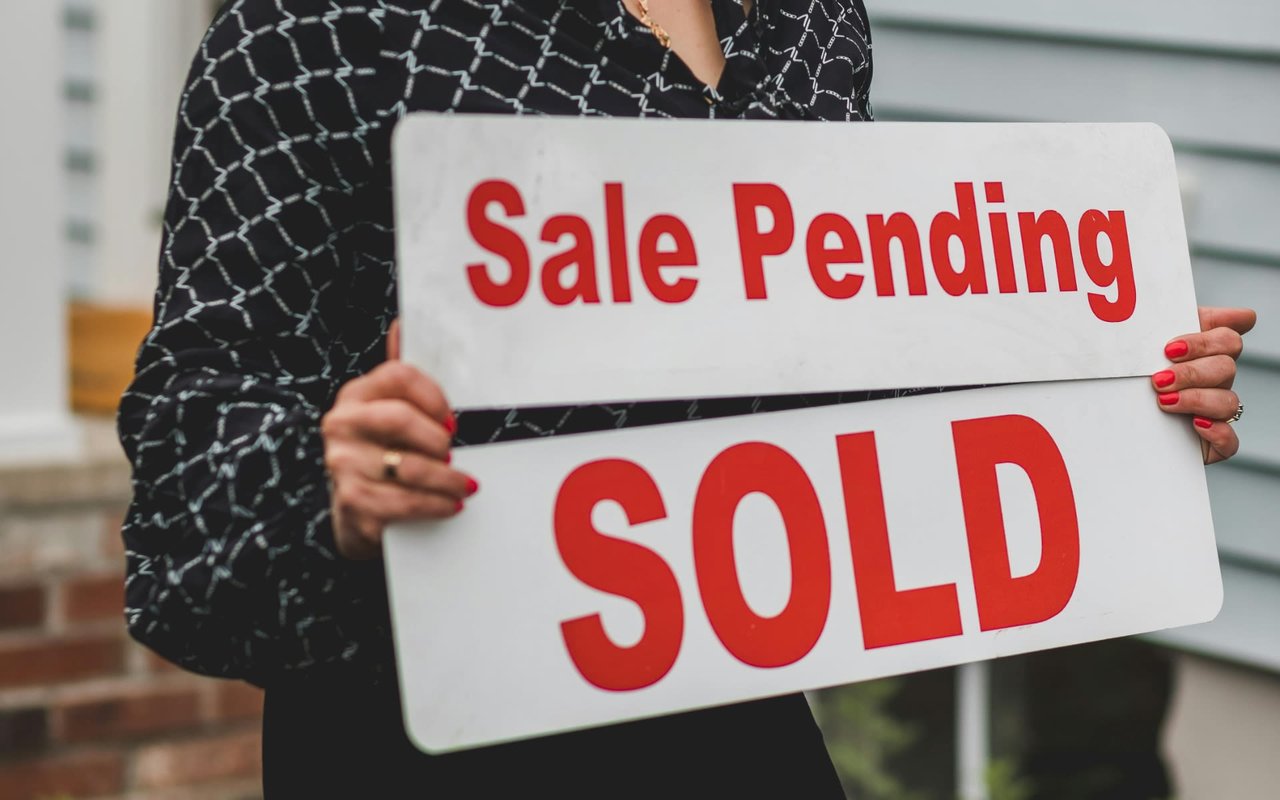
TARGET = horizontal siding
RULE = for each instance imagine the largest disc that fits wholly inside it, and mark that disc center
(1259, 387)
(1209, 101)
(1231, 203)
(1224, 282)
(1210, 75)
(1246, 513)
(1246, 629)
(1237, 26)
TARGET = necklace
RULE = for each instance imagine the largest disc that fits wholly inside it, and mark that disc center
(654, 28)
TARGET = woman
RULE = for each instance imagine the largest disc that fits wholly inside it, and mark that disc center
(262, 412)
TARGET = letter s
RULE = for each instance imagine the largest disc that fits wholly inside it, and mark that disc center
(500, 241)
(621, 568)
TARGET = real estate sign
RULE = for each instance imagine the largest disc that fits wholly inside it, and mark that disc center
(624, 574)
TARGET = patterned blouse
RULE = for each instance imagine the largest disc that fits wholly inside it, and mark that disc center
(277, 278)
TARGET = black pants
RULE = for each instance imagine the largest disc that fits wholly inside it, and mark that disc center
(330, 740)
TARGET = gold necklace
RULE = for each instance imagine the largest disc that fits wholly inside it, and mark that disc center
(663, 38)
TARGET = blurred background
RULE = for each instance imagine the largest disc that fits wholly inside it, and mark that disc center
(89, 89)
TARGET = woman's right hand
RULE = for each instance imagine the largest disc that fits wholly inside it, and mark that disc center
(386, 449)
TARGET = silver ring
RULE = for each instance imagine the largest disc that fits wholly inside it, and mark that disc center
(391, 463)
(1239, 413)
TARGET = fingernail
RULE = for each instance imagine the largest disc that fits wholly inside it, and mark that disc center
(1168, 398)
(451, 424)
(458, 507)
(1164, 377)
(1176, 349)
(448, 457)
(472, 486)
(1201, 422)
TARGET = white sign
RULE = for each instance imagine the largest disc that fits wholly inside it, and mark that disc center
(561, 260)
(611, 576)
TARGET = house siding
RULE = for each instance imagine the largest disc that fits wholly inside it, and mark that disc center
(1212, 81)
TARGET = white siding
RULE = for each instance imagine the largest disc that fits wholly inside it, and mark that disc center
(1210, 75)
(1237, 26)
(1233, 201)
(1201, 99)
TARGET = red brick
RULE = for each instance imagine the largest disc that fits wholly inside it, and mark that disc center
(237, 700)
(89, 774)
(21, 606)
(33, 660)
(112, 542)
(234, 789)
(132, 713)
(158, 664)
(234, 755)
(90, 598)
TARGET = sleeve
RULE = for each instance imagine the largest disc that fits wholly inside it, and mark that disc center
(231, 566)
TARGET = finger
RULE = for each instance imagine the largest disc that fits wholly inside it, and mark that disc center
(398, 380)
(390, 424)
(1219, 438)
(1240, 320)
(393, 340)
(416, 472)
(356, 534)
(1217, 404)
(359, 544)
(389, 502)
(1216, 341)
(1209, 372)
(341, 458)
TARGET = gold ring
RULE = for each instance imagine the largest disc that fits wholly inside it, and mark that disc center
(390, 464)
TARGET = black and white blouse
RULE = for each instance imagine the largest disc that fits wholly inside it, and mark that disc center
(277, 277)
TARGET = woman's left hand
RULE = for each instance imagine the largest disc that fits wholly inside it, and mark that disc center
(1203, 372)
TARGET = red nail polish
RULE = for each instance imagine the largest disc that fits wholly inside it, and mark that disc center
(458, 507)
(1176, 349)
(1201, 422)
(1164, 377)
(448, 458)
(472, 486)
(1168, 399)
(451, 424)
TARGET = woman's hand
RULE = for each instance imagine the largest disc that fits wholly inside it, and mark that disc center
(386, 449)
(1199, 382)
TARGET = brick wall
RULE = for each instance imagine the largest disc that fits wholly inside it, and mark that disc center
(84, 711)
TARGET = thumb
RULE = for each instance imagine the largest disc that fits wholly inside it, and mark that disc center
(1240, 320)
(393, 340)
